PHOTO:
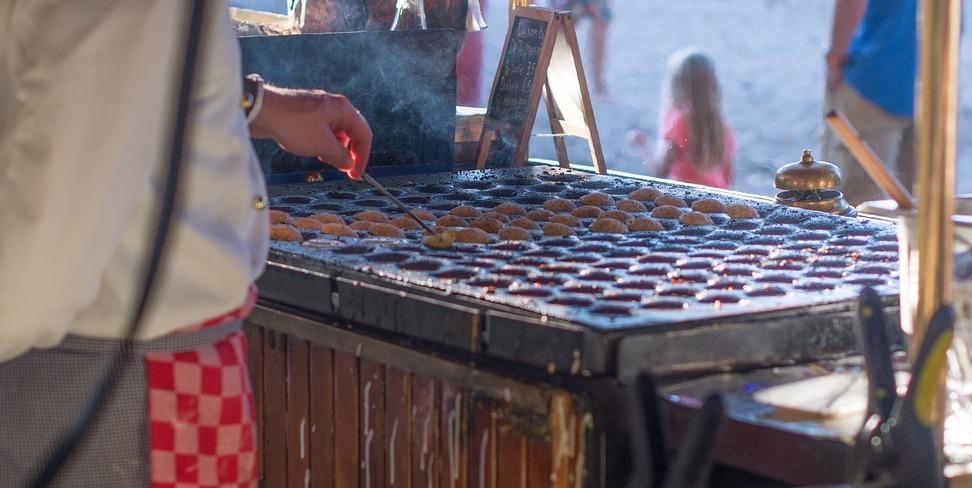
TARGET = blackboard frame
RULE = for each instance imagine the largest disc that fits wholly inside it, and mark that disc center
(566, 94)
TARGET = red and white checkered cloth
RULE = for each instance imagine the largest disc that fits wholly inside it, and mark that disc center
(201, 413)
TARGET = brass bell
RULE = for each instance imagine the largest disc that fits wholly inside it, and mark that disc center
(812, 185)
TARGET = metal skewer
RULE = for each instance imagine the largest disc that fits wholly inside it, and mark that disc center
(381, 188)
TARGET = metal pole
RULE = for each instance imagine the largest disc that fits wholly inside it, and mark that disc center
(935, 128)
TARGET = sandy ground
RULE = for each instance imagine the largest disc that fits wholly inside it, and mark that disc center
(768, 55)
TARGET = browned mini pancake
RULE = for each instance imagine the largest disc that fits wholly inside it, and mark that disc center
(645, 224)
(328, 218)
(466, 211)
(695, 218)
(597, 199)
(279, 217)
(370, 216)
(632, 206)
(284, 232)
(487, 224)
(510, 208)
(515, 234)
(666, 212)
(338, 230)
(739, 211)
(451, 221)
(406, 223)
(609, 226)
(307, 223)
(708, 205)
(540, 215)
(666, 199)
(644, 194)
(385, 230)
(565, 219)
(472, 235)
(619, 215)
(586, 212)
(524, 223)
(559, 205)
(556, 229)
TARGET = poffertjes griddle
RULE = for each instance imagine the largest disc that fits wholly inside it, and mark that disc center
(789, 266)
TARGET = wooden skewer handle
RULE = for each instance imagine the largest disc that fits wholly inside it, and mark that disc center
(879, 172)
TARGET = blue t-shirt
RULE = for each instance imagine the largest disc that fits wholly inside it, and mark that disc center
(881, 57)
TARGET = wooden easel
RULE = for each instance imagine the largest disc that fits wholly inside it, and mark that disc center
(540, 56)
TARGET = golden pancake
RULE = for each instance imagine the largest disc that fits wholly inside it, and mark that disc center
(487, 224)
(708, 205)
(338, 230)
(666, 199)
(279, 217)
(556, 229)
(284, 232)
(597, 199)
(524, 223)
(645, 224)
(370, 216)
(559, 205)
(741, 211)
(587, 212)
(666, 212)
(510, 208)
(515, 234)
(644, 194)
(385, 230)
(328, 218)
(695, 218)
(466, 211)
(452, 221)
(632, 206)
(609, 226)
(566, 219)
(540, 215)
(619, 215)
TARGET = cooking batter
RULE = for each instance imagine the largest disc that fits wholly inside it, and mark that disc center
(86, 88)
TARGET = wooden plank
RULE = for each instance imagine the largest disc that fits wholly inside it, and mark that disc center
(398, 428)
(372, 435)
(454, 437)
(539, 463)
(425, 433)
(275, 410)
(254, 340)
(346, 420)
(482, 445)
(563, 439)
(511, 457)
(298, 405)
(321, 416)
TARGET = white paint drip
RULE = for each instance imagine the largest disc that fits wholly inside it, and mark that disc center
(391, 453)
(307, 478)
(452, 424)
(431, 462)
(369, 434)
(482, 458)
(425, 443)
(586, 424)
(303, 433)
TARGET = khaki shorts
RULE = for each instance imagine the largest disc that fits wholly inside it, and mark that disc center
(891, 137)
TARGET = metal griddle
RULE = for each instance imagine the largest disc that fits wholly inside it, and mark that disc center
(737, 294)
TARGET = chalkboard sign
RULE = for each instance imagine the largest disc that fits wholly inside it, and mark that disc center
(540, 42)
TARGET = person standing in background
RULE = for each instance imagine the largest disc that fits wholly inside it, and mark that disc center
(871, 80)
(696, 143)
(599, 12)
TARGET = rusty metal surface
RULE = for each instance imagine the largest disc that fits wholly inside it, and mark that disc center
(572, 299)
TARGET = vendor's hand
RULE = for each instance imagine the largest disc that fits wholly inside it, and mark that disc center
(315, 123)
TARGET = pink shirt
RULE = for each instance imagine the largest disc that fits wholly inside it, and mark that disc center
(678, 131)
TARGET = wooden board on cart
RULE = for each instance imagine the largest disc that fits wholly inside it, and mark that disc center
(540, 56)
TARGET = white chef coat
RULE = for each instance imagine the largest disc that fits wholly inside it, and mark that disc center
(85, 97)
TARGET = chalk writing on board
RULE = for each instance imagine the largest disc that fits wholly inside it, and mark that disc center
(511, 98)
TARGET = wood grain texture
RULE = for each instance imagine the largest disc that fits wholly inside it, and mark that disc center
(372, 435)
(454, 437)
(539, 464)
(298, 405)
(425, 433)
(511, 457)
(398, 428)
(563, 439)
(482, 445)
(321, 416)
(275, 409)
(347, 460)
(254, 341)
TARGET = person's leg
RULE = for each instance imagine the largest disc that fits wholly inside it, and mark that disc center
(882, 131)
(598, 44)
